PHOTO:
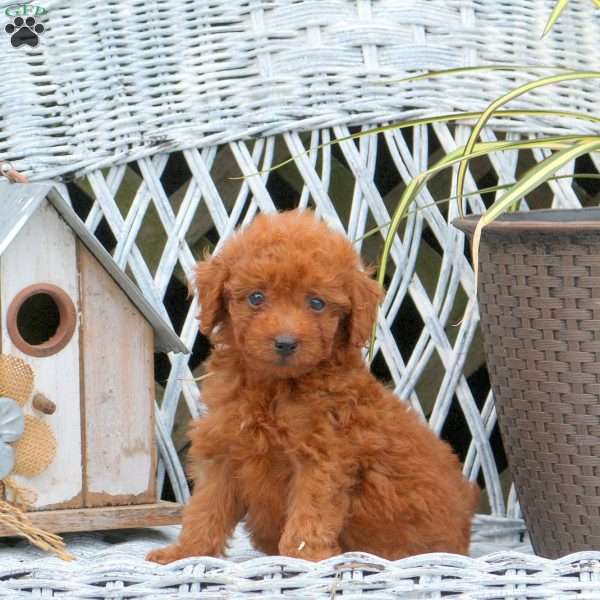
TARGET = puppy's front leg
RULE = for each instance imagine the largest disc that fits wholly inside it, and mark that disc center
(209, 518)
(317, 509)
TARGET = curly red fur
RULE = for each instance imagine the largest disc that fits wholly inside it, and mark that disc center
(309, 448)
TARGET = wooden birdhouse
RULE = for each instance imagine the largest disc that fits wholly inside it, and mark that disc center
(77, 343)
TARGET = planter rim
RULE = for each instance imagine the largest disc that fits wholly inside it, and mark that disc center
(555, 220)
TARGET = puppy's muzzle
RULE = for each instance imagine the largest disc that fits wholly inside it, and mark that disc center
(285, 345)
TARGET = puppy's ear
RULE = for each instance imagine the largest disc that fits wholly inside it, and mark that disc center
(211, 275)
(366, 294)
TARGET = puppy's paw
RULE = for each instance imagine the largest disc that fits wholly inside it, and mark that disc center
(166, 555)
(308, 551)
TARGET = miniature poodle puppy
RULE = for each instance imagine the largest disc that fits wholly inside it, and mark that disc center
(300, 440)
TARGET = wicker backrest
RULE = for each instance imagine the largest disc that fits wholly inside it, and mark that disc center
(116, 94)
(111, 82)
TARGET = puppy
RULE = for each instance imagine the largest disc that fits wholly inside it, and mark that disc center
(301, 440)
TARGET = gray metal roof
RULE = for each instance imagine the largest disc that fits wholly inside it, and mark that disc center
(18, 202)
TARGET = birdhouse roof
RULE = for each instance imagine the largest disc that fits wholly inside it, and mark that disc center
(18, 202)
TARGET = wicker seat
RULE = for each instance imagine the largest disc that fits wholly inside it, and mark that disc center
(148, 110)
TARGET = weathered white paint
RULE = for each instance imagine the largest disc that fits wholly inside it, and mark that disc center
(45, 252)
(117, 349)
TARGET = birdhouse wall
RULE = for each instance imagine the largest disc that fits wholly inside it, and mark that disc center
(45, 250)
(117, 346)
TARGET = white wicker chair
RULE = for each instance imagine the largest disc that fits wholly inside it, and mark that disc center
(121, 86)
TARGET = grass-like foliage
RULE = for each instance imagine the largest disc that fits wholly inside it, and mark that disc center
(565, 148)
(559, 7)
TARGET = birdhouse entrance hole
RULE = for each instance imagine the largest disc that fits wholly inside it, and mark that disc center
(41, 319)
(38, 319)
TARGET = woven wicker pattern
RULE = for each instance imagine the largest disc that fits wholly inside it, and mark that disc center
(112, 82)
(540, 304)
(353, 576)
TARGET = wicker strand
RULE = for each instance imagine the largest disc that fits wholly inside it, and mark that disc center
(288, 67)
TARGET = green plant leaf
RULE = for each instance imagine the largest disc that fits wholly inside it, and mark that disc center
(454, 157)
(559, 143)
(556, 12)
(496, 104)
(486, 190)
(539, 174)
(477, 69)
(535, 177)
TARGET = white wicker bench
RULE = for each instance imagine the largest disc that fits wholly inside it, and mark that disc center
(116, 90)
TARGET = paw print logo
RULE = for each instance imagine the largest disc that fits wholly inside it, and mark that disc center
(24, 32)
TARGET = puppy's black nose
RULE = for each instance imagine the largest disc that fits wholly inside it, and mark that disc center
(285, 345)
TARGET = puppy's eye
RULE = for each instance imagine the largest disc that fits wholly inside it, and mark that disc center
(317, 304)
(256, 298)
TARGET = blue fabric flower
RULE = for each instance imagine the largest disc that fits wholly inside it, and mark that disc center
(12, 425)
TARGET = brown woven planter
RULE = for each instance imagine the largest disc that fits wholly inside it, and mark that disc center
(539, 298)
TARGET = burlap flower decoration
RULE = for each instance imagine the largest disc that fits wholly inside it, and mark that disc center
(28, 446)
